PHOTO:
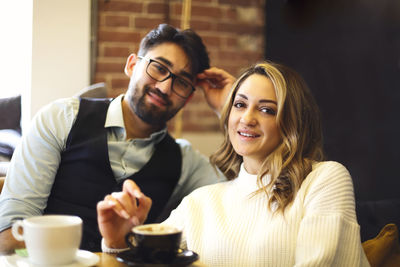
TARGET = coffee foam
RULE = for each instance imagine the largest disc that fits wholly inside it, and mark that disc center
(156, 229)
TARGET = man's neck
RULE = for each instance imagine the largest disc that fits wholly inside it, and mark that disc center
(135, 127)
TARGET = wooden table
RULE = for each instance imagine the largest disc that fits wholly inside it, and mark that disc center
(109, 260)
(106, 260)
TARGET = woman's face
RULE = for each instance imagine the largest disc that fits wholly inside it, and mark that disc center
(252, 125)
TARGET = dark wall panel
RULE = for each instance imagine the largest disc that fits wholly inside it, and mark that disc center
(349, 54)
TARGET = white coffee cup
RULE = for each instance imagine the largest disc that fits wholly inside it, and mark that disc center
(50, 239)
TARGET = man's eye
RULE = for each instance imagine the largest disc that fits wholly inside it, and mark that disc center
(182, 83)
(160, 69)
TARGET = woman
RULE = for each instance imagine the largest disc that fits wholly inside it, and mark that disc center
(283, 205)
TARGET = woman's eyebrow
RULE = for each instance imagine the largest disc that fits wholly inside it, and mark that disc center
(268, 101)
(261, 101)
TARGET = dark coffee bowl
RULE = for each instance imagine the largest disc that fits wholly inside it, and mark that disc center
(132, 257)
(157, 248)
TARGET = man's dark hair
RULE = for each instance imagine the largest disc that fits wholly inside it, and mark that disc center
(188, 40)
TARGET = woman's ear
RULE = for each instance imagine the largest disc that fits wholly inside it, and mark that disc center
(130, 63)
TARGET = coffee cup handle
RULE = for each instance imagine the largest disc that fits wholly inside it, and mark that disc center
(128, 240)
(15, 230)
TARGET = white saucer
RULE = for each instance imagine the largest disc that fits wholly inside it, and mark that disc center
(84, 258)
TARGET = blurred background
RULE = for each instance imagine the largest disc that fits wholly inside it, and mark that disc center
(348, 51)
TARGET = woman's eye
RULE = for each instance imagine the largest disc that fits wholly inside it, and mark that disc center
(267, 110)
(238, 105)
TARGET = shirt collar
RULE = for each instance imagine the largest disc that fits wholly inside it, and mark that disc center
(115, 118)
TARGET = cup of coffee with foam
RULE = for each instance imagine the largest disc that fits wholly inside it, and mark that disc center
(155, 243)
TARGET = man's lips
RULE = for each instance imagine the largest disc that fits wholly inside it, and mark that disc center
(157, 99)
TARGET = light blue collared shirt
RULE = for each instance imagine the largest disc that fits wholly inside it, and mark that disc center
(36, 159)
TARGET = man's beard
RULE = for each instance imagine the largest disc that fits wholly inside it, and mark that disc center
(150, 113)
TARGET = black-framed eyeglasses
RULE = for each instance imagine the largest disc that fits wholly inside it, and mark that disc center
(160, 73)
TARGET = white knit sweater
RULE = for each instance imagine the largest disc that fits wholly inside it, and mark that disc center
(228, 227)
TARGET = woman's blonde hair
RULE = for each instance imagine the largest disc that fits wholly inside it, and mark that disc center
(299, 124)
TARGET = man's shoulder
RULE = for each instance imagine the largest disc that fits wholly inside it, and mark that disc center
(188, 150)
(62, 105)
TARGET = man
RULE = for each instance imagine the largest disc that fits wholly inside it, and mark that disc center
(79, 150)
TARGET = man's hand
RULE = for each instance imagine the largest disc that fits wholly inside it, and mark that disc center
(8, 243)
(121, 211)
(216, 84)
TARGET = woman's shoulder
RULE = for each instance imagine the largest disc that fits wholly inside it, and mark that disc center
(328, 172)
(330, 168)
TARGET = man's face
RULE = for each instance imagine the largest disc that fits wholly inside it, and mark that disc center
(152, 101)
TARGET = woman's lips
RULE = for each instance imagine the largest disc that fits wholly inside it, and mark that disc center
(248, 134)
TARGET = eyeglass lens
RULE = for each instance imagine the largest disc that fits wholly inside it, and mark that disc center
(161, 73)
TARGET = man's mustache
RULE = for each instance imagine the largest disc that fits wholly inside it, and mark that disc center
(157, 92)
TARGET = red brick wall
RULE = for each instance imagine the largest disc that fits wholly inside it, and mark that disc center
(233, 31)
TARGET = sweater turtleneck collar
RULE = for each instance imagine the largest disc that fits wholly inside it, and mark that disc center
(248, 182)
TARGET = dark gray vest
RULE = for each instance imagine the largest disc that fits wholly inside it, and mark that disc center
(85, 176)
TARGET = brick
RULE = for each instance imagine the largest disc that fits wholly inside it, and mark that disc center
(206, 11)
(199, 25)
(116, 51)
(120, 82)
(249, 14)
(202, 1)
(148, 22)
(175, 23)
(239, 2)
(176, 9)
(117, 21)
(116, 92)
(250, 42)
(124, 6)
(101, 20)
(230, 13)
(240, 28)
(114, 36)
(211, 40)
(157, 8)
(109, 67)
(98, 78)
(231, 55)
(230, 41)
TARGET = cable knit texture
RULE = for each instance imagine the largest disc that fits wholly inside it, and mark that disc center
(227, 225)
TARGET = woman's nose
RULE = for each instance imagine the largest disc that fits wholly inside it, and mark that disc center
(248, 118)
